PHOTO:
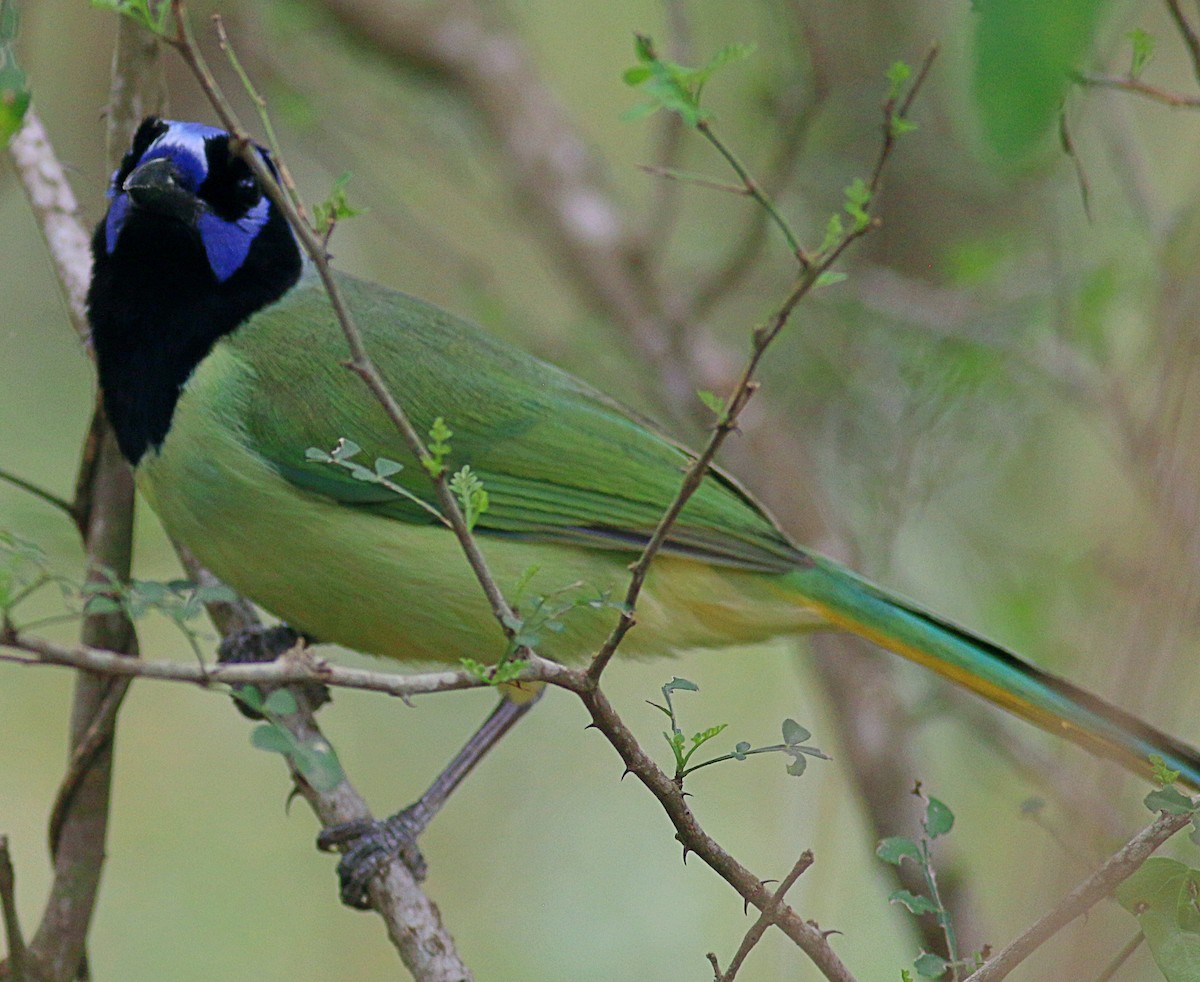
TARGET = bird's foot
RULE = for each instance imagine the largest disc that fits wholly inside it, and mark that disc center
(259, 645)
(368, 845)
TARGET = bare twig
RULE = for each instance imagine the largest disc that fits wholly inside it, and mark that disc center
(103, 509)
(807, 935)
(765, 920)
(294, 669)
(8, 910)
(1121, 957)
(57, 212)
(49, 497)
(1119, 867)
(1175, 100)
(1190, 38)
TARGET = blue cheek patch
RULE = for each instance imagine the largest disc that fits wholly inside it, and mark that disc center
(228, 243)
(114, 220)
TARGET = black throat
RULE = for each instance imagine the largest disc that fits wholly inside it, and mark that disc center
(156, 309)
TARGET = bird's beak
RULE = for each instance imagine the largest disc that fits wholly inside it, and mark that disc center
(156, 185)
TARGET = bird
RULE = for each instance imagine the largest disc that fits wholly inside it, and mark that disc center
(220, 364)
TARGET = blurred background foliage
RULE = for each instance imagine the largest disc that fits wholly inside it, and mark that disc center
(994, 413)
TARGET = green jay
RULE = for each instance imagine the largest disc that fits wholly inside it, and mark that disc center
(220, 363)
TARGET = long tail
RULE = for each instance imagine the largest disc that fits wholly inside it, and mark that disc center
(1057, 706)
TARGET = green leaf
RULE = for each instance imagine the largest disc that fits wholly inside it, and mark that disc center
(858, 198)
(472, 497)
(895, 849)
(938, 818)
(915, 903)
(797, 766)
(713, 401)
(680, 685)
(153, 19)
(318, 455)
(101, 604)
(280, 703)
(1142, 45)
(705, 735)
(794, 733)
(318, 764)
(271, 738)
(336, 207)
(828, 278)
(835, 231)
(931, 966)
(345, 449)
(1169, 800)
(897, 75)
(1162, 894)
(671, 86)
(740, 750)
(1024, 53)
(386, 468)
(14, 86)
(1162, 774)
(215, 593)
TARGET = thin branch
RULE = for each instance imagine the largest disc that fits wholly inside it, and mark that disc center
(360, 361)
(57, 213)
(301, 665)
(1135, 85)
(8, 909)
(765, 919)
(1121, 957)
(806, 934)
(413, 922)
(753, 188)
(1119, 867)
(893, 112)
(1190, 37)
(103, 512)
(696, 180)
(49, 497)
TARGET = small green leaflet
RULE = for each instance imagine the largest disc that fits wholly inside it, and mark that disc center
(14, 86)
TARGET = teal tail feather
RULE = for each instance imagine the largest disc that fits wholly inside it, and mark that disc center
(1057, 706)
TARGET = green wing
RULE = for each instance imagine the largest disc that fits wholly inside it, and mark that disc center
(560, 461)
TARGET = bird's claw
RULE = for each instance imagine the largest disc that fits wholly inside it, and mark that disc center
(368, 845)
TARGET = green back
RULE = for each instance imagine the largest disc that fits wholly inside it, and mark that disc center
(560, 461)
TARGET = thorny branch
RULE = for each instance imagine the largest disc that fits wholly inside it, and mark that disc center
(360, 360)
(765, 920)
(1119, 867)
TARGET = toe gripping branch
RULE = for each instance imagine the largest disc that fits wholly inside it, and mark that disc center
(368, 845)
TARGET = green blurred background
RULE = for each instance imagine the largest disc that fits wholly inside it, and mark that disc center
(994, 414)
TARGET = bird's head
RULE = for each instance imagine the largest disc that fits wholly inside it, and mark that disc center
(189, 250)
(183, 177)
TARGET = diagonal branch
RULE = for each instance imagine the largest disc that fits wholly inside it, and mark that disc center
(1119, 867)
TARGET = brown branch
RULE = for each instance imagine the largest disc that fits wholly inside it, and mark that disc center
(8, 911)
(104, 512)
(1175, 100)
(765, 920)
(1190, 38)
(296, 667)
(1118, 868)
(551, 167)
(57, 213)
(807, 936)
(413, 921)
